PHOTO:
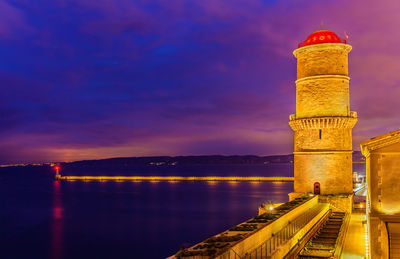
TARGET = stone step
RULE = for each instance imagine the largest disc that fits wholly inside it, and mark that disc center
(328, 235)
(324, 241)
(333, 223)
(329, 231)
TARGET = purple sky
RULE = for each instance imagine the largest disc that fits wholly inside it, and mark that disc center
(93, 79)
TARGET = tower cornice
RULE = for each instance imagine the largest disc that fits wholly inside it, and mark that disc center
(370, 145)
(324, 46)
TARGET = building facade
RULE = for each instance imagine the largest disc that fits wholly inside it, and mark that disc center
(383, 201)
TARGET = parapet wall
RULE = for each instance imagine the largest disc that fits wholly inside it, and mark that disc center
(273, 239)
(328, 122)
(249, 244)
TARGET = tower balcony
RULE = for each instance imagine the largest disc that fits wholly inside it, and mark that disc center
(325, 122)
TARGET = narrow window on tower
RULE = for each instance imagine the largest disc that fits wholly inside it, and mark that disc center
(320, 133)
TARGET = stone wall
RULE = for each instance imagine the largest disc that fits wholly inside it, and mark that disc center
(322, 96)
(343, 202)
(383, 207)
(383, 182)
(323, 139)
(378, 238)
(383, 173)
(332, 170)
(256, 239)
(333, 61)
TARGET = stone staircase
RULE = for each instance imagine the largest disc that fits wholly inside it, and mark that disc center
(323, 243)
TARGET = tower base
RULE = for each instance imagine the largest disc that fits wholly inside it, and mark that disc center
(342, 202)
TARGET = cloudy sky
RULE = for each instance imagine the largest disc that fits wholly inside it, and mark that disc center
(105, 78)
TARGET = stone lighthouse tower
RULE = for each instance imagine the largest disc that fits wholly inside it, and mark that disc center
(323, 121)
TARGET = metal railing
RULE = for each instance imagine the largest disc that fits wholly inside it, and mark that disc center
(270, 246)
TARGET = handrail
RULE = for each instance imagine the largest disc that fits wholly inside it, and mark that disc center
(301, 243)
(270, 246)
(342, 234)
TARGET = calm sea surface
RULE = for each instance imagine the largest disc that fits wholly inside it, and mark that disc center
(43, 218)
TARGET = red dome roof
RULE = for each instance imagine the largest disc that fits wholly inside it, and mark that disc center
(323, 36)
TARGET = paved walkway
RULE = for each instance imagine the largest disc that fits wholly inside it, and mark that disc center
(354, 244)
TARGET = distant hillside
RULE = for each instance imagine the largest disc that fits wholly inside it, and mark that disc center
(189, 160)
(197, 160)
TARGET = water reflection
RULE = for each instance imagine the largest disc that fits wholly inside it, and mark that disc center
(57, 222)
(233, 183)
(212, 183)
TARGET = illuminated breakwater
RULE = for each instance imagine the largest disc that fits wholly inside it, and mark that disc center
(179, 178)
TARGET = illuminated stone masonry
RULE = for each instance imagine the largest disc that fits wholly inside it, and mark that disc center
(323, 121)
(383, 206)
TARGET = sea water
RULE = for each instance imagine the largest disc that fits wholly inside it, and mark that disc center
(43, 218)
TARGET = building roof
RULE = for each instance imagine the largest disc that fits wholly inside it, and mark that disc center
(379, 142)
(322, 36)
